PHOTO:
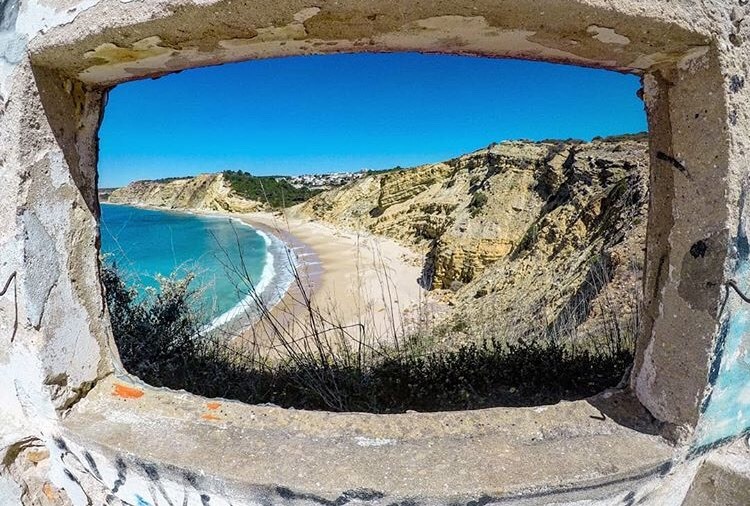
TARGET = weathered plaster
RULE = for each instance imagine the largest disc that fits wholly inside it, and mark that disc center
(607, 35)
(43, 258)
(57, 60)
(437, 458)
(21, 21)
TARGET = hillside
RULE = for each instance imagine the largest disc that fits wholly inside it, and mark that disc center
(275, 191)
(209, 192)
(528, 231)
(542, 233)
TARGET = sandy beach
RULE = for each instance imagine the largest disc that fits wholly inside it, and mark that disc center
(364, 282)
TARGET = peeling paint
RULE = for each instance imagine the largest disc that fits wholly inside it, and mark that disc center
(646, 61)
(8, 14)
(727, 411)
(366, 441)
(42, 261)
(694, 60)
(607, 35)
(305, 14)
(471, 35)
(145, 48)
(21, 23)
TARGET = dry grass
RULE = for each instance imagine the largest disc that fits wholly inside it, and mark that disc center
(301, 355)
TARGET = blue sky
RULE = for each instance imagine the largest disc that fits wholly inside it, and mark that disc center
(348, 112)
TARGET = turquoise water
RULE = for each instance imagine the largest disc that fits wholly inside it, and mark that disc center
(146, 243)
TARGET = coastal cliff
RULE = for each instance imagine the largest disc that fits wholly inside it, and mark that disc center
(540, 233)
(531, 230)
(206, 192)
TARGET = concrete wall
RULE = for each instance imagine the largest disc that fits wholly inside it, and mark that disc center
(58, 58)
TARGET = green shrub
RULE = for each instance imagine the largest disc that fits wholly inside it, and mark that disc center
(154, 330)
(160, 339)
(478, 201)
(637, 136)
(275, 191)
(528, 240)
(372, 172)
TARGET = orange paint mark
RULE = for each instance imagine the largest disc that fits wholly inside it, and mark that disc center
(210, 417)
(213, 405)
(127, 392)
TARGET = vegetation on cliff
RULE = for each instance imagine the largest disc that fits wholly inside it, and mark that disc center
(209, 192)
(232, 191)
(161, 339)
(276, 192)
(516, 219)
(536, 245)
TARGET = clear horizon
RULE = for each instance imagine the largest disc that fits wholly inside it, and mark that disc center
(348, 112)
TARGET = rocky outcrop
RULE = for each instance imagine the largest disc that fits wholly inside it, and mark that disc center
(554, 224)
(546, 223)
(207, 192)
(581, 254)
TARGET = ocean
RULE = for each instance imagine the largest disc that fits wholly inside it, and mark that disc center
(147, 243)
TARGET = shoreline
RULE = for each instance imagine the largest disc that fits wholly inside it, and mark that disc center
(271, 287)
(353, 279)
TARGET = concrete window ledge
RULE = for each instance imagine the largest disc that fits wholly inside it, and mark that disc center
(166, 448)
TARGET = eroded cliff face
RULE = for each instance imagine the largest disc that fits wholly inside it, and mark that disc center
(524, 234)
(206, 192)
(522, 228)
(581, 254)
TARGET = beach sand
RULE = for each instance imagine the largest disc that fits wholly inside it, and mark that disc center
(366, 283)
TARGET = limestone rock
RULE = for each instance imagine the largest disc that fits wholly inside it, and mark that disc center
(535, 221)
(205, 192)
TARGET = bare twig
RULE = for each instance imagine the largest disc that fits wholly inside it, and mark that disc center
(12, 277)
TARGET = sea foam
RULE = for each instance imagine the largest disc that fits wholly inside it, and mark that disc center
(275, 280)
